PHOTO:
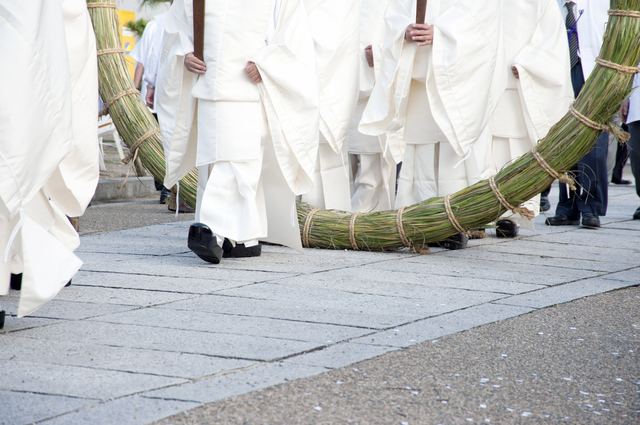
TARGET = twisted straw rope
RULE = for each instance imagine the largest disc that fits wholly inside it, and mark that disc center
(307, 227)
(352, 232)
(546, 167)
(133, 151)
(403, 235)
(524, 212)
(618, 67)
(452, 218)
(101, 4)
(110, 51)
(628, 13)
(119, 96)
(621, 135)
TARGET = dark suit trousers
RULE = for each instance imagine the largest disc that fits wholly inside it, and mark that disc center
(592, 193)
(634, 152)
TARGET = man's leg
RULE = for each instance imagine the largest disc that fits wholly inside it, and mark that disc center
(634, 158)
(592, 177)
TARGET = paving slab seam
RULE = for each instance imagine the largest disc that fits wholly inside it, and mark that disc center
(8, 332)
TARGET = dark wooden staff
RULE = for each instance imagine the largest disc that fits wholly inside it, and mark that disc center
(421, 11)
(198, 29)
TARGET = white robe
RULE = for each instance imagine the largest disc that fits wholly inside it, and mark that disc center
(373, 171)
(140, 52)
(334, 25)
(281, 105)
(48, 142)
(535, 43)
(436, 101)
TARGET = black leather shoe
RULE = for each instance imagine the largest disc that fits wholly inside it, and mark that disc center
(2, 315)
(164, 195)
(545, 205)
(203, 243)
(16, 281)
(620, 181)
(590, 220)
(68, 283)
(636, 215)
(240, 251)
(506, 229)
(562, 220)
(457, 241)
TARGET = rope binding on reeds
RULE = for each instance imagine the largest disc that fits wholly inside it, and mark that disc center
(524, 212)
(621, 135)
(102, 5)
(452, 217)
(624, 13)
(307, 227)
(352, 232)
(133, 151)
(564, 178)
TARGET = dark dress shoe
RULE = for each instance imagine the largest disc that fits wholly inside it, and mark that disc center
(68, 283)
(506, 229)
(164, 195)
(203, 243)
(2, 315)
(590, 220)
(620, 181)
(562, 220)
(457, 241)
(636, 215)
(240, 251)
(545, 205)
(16, 281)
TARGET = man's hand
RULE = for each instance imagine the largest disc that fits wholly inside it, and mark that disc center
(149, 96)
(515, 71)
(420, 33)
(195, 65)
(624, 111)
(368, 52)
(252, 71)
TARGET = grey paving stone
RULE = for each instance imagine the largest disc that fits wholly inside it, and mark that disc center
(165, 339)
(177, 266)
(236, 324)
(564, 293)
(21, 408)
(71, 310)
(633, 225)
(468, 268)
(124, 359)
(131, 410)
(631, 275)
(570, 251)
(340, 355)
(402, 284)
(603, 237)
(220, 387)
(446, 324)
(511, 259)
(334, 307)
(76, 381)
(138, 297)
(13, 323)
(184, 285)
(149, 244)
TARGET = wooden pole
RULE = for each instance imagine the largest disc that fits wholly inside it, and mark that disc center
(198, 28)
(421, 11)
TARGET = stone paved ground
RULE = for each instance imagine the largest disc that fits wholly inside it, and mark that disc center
(148, 330)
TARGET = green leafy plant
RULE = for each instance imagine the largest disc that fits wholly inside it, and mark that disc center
(137, 26)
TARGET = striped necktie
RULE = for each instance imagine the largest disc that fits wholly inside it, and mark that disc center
(570, 23)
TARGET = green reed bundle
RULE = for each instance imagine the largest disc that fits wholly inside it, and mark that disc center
(132, 118)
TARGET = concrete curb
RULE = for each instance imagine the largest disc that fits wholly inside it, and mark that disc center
(135, 187)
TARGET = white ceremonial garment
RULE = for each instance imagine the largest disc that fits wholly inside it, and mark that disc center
(152, 64)
(140, 52)
(535, 43)
(48, 142)
(259, 138)
(334, 26)
(436, 95)
(373, 171)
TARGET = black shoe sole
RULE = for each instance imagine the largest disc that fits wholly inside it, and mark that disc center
(455, 242)
(240, 251)
(203, 243)
(16, 281)
(506, 229)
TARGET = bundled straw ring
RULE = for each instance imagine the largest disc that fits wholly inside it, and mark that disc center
(524, 212)
(307, 227)
(564, 178)
(452, 217)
